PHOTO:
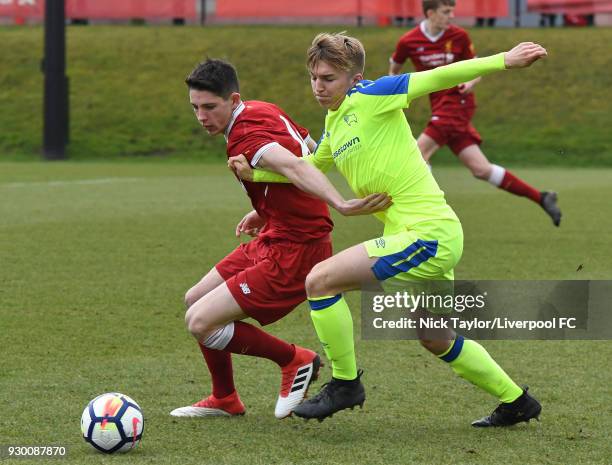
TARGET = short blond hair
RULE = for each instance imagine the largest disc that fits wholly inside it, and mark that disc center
(337, 49)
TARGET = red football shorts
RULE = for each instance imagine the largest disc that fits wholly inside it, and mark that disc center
(456, 133)
(267, 277)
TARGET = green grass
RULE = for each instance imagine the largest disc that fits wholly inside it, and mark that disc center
(95, 260)
(128, 98)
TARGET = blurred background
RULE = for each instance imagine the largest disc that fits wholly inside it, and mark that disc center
(126, 61)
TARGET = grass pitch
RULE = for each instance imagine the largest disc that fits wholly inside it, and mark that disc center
(95, 260)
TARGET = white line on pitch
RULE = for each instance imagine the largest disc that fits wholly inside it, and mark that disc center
(69, 183)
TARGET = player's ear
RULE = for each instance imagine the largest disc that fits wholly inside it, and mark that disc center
(235, 98)
(356, 78)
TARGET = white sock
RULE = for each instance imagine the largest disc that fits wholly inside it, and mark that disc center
(220, 338)
(497, 175)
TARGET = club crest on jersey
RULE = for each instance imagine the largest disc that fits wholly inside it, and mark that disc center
(350, 119)
(380, 243)
(448, 46)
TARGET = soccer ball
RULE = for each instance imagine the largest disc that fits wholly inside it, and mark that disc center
(112, 422)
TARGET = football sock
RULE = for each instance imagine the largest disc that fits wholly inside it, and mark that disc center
(334, 326)
(472, 362)
(250, 340)
(219, 364)
(507, 181)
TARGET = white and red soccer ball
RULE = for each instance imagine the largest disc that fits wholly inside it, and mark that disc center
(112, 422)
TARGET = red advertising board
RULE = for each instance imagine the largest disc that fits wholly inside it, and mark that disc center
(327, 8)
(103, 9)
(31, 9)
(577, 7)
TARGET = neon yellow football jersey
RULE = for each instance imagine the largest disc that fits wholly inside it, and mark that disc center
(370, 142)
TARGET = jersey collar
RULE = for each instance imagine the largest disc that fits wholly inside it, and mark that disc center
(428, 35)
(235, 114)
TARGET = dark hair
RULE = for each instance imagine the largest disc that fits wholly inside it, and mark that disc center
(216, 76)
(435, 4)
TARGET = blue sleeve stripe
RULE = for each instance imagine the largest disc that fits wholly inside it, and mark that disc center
(319, 141)
(386, 85)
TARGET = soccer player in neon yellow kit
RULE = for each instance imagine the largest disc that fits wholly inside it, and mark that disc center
(368, 139)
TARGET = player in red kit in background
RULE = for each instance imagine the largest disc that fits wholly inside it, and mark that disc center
(264, 278)
(436, 42)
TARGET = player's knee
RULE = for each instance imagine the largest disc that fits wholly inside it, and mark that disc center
(435, 346)
(197, 323)
(198, 327)
(317, 281)
(191, 297)
(426, 343)
(188, 318)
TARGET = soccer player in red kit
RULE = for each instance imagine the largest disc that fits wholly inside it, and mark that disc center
(436, 42)
(264, 278)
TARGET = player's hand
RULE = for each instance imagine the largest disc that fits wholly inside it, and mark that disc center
(523, 55)
(466, 88)
(241, 167)
(250, 225)
(371, 204)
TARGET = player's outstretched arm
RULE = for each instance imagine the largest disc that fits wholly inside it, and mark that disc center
(242, 168)
(524, 55)
(445, 77)
(309, 179)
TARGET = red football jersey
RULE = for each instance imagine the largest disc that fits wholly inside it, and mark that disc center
(427, 52)
(290, 213)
